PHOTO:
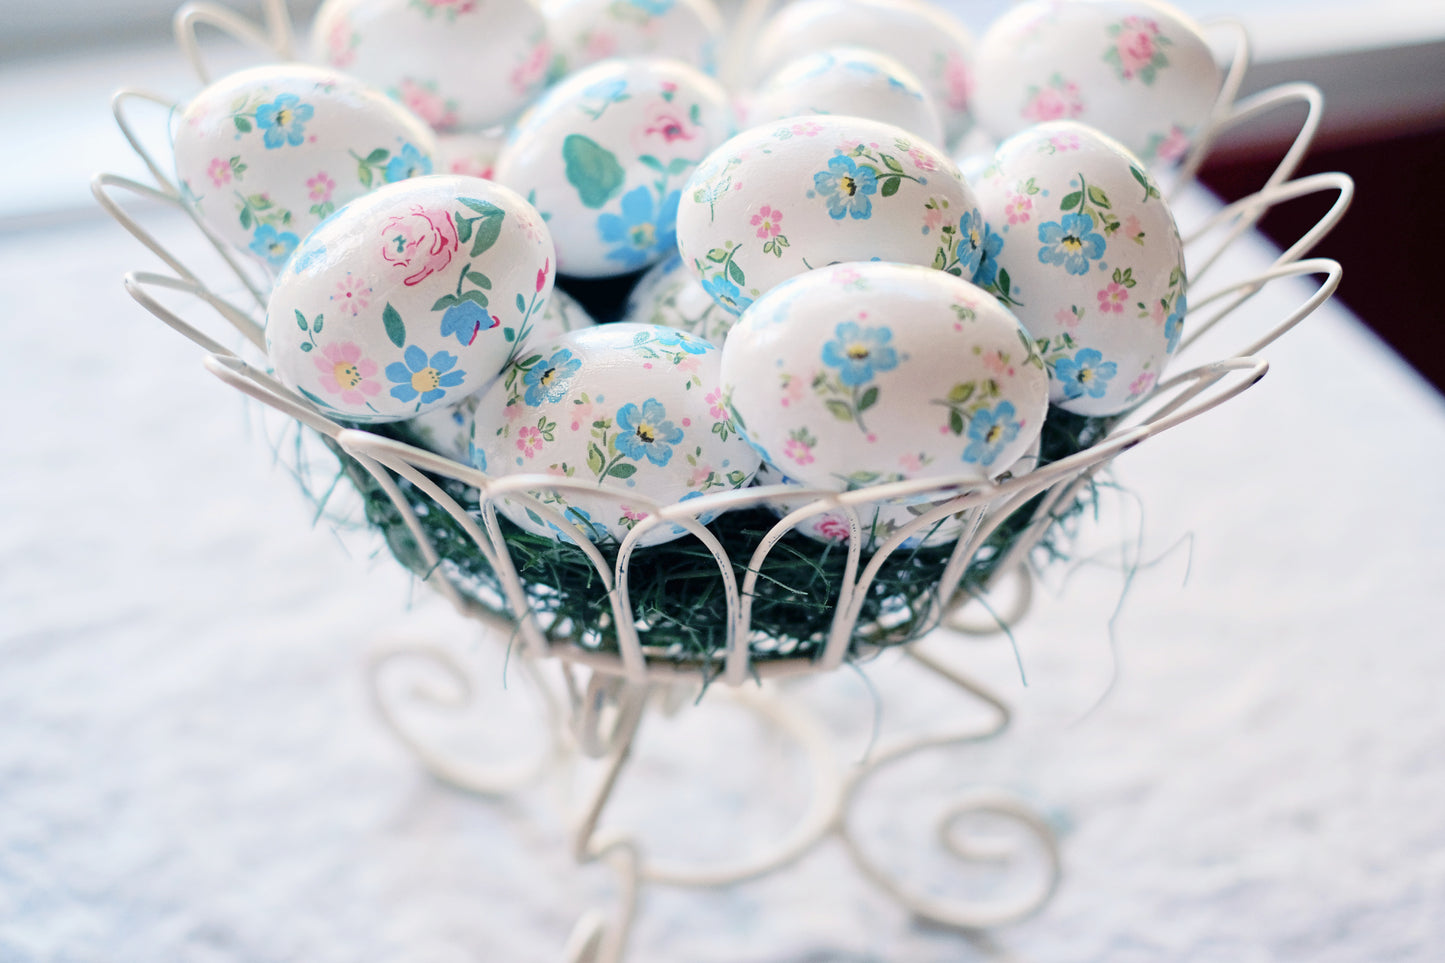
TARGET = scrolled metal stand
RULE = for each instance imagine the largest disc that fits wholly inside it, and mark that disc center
(590, 704)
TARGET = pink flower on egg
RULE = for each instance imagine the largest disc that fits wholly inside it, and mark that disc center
(921, 160)
(600, 45)
(319, 188)
(767, 221)
(471, 167)
(632, 514)
(581, 415)
(513, 411)
(345, 372)
(1132, 227)
(959, 80)
(421, 241)
(699, 475)
(911, 463)
(932, 219)
(427, 103)
(1135, 45)
(996, 362)
(1067, 318)
(1018, 208)
(799, 452)
(529, 441)
(1141, 384)
(219, 171)
(1174, 145)
(531, 71)
(1058, 100)
(715, 407)
(353, 294)
(341, 44)
(1066, 142)
(1113, 298)
(807, 129)
(833, 528)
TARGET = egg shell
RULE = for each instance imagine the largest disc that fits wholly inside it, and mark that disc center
(850, 81)
(472, 154)
(457, 65)
(879, 520)
(781, 199)
(1093, 259)
(604, 156)
(931, 43)
(633, 408)
(448, 430)
(400, 302)
(589, 31)
(264, 155)
(1139, 71)
(670, 294)
(867, 373)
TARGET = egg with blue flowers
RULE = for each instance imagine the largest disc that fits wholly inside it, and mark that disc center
(621, 419)
(266, 154)
(1083, 248)
(604, 155)
(410, 298)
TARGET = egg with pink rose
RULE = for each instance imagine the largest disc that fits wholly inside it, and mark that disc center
(400, 302)
(589, 31)
(604, 155)
(1138, 70)
(625, 417)
(266, 154)
(459, 64)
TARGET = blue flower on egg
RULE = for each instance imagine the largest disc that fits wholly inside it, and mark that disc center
(424, 378)
(858, 352)
(989, 431)
(655, 7)
(1174, 324)
(643, 231)
(408, 162)
(989, 249)
(578, 518)
(273, 245)
(283, 121)
(685, 341)
(1071, 242)
(1086, 373)
(466, 321)
(726, 293)
(645, 432)
(549, 380)
(846, 187)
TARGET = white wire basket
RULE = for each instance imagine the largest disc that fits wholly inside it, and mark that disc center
(221, 309)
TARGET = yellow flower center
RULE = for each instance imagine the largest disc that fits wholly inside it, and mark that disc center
(849, 185)
(647, 433)
(427, 379)
(644, 236)
(857, 352)
(547, 378)
(1072, 244)
(346, 374)
(283, 118)
(994, 434)
(1086, 375)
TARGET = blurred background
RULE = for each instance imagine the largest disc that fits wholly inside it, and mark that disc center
(1381, 66)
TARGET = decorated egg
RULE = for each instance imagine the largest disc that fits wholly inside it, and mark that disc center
(932, 44)
(266, 154)
(1085, 250)
(604, 156)
(879, 520)
(799, 194)
(472, 154)
(1138, 70)
(448, 430)
(588, 31)
(851, 81)
(670, 294)
(459, 64)
(632, 408)
(401, 301)
(858, 374)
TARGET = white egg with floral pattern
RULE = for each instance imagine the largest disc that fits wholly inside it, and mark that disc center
(1084, 249)
(802, 193)
(631, 412)
(402, 301)
(671, 295)
(1138, 70)
(458, 64)
(604, 154)
(861, 374)
(266, 154)
(590, 31)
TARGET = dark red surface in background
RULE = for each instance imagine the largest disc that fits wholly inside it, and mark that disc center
(1391, 242)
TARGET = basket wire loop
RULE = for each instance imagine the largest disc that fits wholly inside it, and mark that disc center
(275, 38)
